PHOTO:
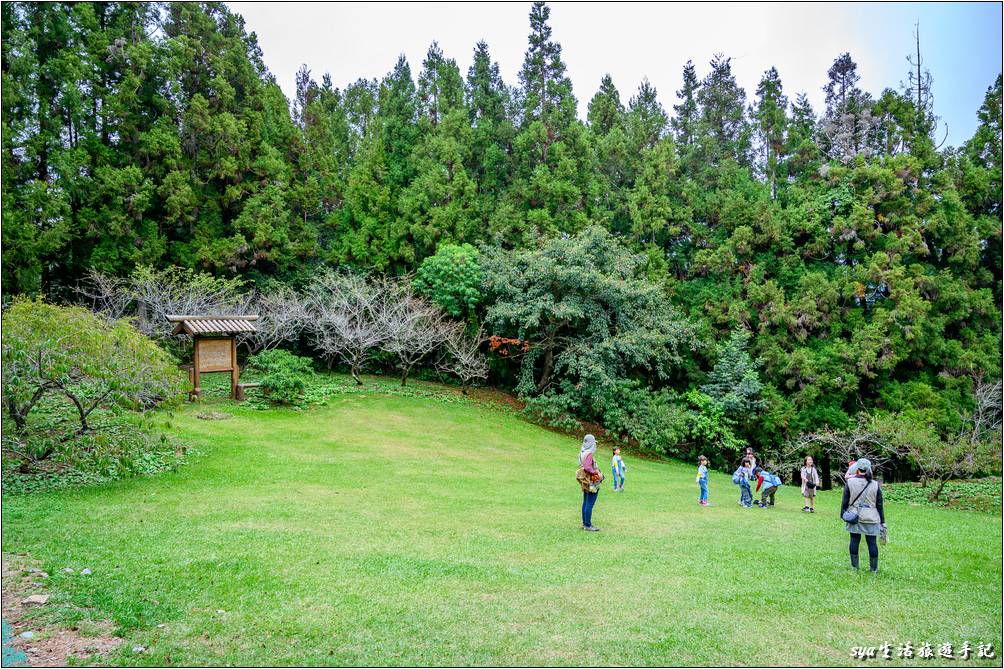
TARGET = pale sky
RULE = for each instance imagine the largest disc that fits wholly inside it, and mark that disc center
(961, 43)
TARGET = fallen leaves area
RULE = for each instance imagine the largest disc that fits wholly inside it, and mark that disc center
(46, 643)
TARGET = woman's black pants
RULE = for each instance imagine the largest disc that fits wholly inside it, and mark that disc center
(872, 550)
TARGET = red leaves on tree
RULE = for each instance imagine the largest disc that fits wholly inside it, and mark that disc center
(505, 346)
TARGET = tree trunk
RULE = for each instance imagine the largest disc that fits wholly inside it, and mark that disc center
(404, 375)
(937, 492)
(355, 373)
(545, 374)
(20, 414)
(827, 478)
(84, 427)
(19, 419)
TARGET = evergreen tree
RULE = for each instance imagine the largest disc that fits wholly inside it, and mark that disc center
(440, 86)
(801, 147)
(489, 103)
(554, 178)
(646, 119)
(734, 381)
(546, 91)
(724, 132)
(687, 113)
(605, 109)
(847, 124)
(615, 158)
(369, 229)
(770, 118)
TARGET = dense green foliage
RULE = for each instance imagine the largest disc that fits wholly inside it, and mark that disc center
(68, 379)
(282, 375)
(974, 495)
(862, 260)
(452, 279)
(363, 533)
(72, 353)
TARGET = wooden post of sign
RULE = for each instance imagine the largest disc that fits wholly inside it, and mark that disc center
(196, 387)
(234, 372)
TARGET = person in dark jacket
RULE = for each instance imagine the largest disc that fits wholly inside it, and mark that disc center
(589, 492)
(863, 495)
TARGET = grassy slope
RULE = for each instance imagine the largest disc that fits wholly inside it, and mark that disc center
(398, 530)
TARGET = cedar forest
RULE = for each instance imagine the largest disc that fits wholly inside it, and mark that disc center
(739, 269)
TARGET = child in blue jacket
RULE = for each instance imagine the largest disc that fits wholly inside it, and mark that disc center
(702, 479)
(741, 477)
(619, 468)
(770, 483)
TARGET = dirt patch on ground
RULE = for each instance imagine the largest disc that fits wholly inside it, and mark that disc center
(49, 645)
(488, 395)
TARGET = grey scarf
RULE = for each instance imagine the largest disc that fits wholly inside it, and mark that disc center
(588, 447)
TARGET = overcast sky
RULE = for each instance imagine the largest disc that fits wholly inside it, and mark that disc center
(961, 43)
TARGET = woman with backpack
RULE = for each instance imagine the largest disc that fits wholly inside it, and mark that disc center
(810, 482)
(589, 477)
(861, 511)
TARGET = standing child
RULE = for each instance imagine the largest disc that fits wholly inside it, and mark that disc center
(619, 468)
(741, 477)
(810, 482)
(702, 479)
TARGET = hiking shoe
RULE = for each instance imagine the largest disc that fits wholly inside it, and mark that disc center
(592, 528)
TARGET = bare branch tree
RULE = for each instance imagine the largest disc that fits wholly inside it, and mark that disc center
(150, 295)
(463, 357)
(984, 423)
(413, 326)
(282, 318)
(108, 295)
(840, 446)
(345, 318)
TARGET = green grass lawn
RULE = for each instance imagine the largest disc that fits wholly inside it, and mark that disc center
(393, 529)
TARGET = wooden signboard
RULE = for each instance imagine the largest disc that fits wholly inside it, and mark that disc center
(214, 355)
(215, 345)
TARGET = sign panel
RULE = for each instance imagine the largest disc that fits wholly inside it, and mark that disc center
(214, 355)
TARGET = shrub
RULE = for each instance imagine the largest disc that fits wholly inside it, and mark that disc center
(283, 376)
(91, 362)
(121, 445)
(655, 421)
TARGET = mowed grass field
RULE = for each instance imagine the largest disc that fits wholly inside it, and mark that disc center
(399, 530)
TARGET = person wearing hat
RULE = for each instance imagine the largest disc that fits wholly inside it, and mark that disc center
(590, 481)
(861, 511)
